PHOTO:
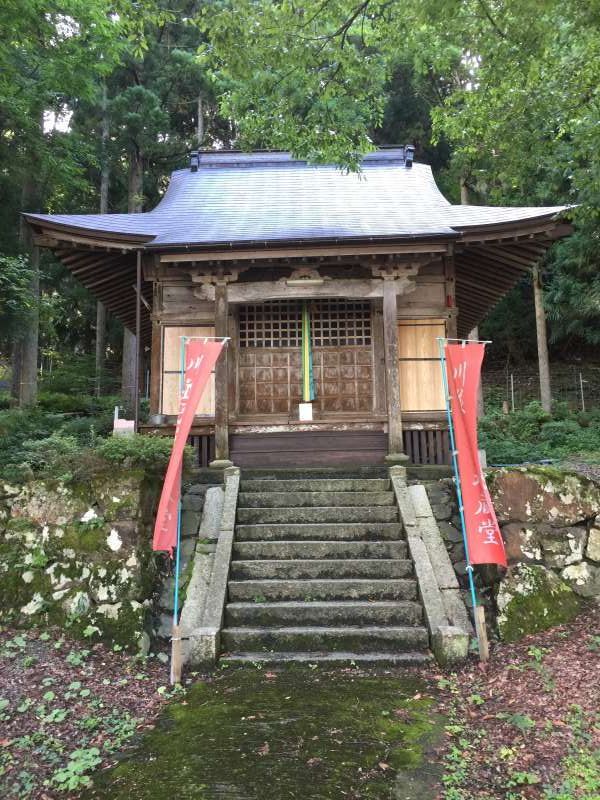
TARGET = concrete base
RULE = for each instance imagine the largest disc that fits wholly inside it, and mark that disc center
(203, 648)
(396, 458)
(220, 463)
(450, 645)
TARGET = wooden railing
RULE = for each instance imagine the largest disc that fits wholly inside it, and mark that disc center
(203, 446)
(429, 445)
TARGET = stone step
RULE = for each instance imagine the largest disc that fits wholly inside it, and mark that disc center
(404, 612)
(305, 548)
(319, 514)
(352, 472)
(311, 499)
(354, 531)
(317, 485)
(406, 659)
(299, 569)
(323, 589)
(349, 638)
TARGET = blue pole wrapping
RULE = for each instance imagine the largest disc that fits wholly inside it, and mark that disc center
(178, 548)
(441, 343)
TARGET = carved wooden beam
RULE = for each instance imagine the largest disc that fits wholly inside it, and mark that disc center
(359, 289)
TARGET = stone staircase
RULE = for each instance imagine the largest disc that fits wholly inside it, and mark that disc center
(320, 572)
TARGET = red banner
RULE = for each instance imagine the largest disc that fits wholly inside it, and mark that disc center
(463, 368)
(200, 358)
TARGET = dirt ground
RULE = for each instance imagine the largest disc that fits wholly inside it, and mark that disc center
(91, 722)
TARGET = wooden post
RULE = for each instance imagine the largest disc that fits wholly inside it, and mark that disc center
(155, 368)
(379, 404)
(542, 341)
(221, 381)
(390, 337)
(176, 655)
(481, 630)
(474, 336)
(450, 287)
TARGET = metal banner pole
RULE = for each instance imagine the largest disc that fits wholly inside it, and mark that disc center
(441, 343)
(176, 655)
(176, 649)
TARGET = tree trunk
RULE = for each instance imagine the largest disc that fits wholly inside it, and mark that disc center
(100, 344)
(104, 185)
(135, 199)
(16, 363)
(464, 191)
(29, 358)
(105, 168)
(128, 388)
(200, 122)
(27, 369)
(134, 205)
(542, 341)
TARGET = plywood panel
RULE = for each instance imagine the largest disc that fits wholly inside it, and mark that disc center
(172, 343)
(417, 338)
(421, 386)
(170, 404)
(171, 377)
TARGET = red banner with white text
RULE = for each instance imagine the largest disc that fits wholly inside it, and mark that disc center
(463, 368)
(200, 358)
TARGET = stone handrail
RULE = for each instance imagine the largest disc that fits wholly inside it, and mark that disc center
(445, 613)
(205, 640)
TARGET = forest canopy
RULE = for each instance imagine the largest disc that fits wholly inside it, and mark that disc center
(100, 101)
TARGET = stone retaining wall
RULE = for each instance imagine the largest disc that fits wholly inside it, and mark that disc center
(550, 521)
(80, 556)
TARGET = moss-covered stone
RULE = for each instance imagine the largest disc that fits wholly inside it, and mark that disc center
(543, 495)
(79, 555)
(531, 598)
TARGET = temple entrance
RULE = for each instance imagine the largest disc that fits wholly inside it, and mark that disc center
(270, 364)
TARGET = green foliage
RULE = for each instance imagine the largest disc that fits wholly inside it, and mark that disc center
(533, 435)
(73, 775)
(16, 298)
(147, 452)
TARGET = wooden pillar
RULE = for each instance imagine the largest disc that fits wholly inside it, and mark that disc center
(155, 367)
(221, 380)
(474, 337)
(542, 341)
(379, 402)
(450, 289)
(390, 337)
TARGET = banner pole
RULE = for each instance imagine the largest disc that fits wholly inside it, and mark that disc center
(441, 343)
(176, 662)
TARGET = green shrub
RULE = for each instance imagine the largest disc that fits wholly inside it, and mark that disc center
(77, 375)
(151, 453)
(61, 403)
(533, 435)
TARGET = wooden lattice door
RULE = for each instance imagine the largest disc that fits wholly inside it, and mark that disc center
(270, 369)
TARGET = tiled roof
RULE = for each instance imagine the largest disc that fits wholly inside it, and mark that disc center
(241, 199)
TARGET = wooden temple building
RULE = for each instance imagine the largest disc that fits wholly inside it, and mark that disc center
(255, 246)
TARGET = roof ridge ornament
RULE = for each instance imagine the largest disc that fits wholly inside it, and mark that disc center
(409, 155)
(194, 160)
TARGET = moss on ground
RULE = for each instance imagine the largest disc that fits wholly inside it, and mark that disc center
(295, 734)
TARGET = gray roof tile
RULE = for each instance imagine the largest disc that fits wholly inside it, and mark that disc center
(269, 197)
